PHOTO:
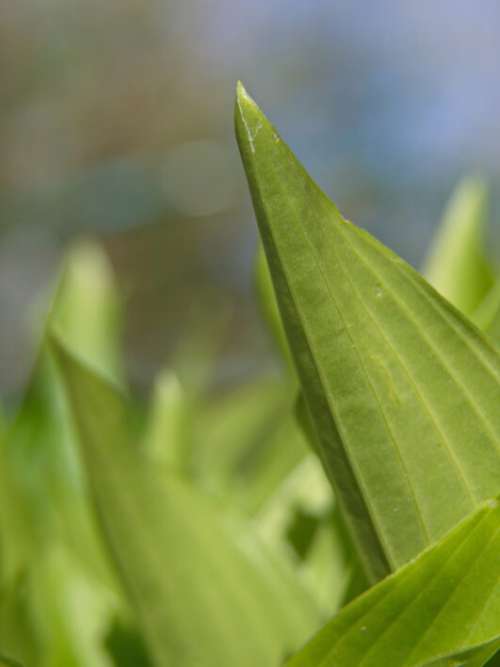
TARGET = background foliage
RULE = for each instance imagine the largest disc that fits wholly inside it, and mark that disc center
(116, 126)
(116, 122)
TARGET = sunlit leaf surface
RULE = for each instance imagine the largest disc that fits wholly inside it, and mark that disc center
(402, 390)
(442, 609)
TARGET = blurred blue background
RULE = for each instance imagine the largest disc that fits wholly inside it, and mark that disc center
(116, 123)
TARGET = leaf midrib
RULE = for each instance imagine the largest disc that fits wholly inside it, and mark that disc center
(337, 424)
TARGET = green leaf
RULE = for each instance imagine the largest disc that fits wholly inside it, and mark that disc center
(442, 609)
(487, 315)
(167, 440)
(456, 265)
(39, 456)
(87, 308)
(269, 305)
(72, 609)
(126, 646)
(402, 390)
(495, 661)
(18, 633)
(204, 590)
(248, 442)
(302, 513)
(8, 662)
(47, 531)
(331, 566)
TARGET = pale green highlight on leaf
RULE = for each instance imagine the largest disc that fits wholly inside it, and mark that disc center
(199, 585)
(457, 265)
(87, 308)
(166, 439)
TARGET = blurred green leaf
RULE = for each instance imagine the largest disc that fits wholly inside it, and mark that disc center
(316, 535)
(18, 631)
(247, 442)
(8, 662)
(39, 459)
(495, 661)
(47, 531)
(237, 445)
(487, 315)
(261, 471)
(302, 514)
(72, 610)
(167, 437)
(15, 541)
(349, 575)
(126, 646)
(403, 391)
(205, 591)
(457, 266)
(269, 305)
(87, 308)
(39, 456)
(442, 609)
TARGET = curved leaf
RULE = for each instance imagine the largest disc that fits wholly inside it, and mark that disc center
(205, 592)
(457, 266)
(440, 610)
(403, 391)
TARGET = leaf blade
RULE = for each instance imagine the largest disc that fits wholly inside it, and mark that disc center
(199, 594)
(456, 265)
(408, 456)
(438, 609)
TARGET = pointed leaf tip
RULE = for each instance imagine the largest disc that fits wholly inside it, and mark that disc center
(241, 94)
(391, 373)
(240, 89)
(252, 127)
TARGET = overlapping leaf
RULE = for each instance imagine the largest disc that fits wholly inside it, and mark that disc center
(403, 391)
(442, 609)
(205, 593)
